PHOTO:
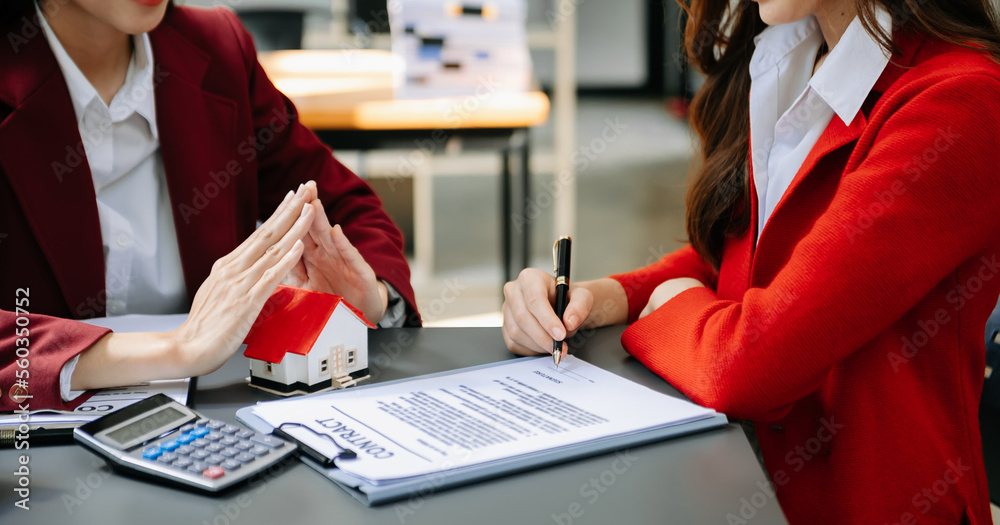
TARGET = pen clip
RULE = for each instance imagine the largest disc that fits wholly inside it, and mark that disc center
(555, 258)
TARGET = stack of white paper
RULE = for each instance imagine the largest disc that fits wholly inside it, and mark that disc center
(423, 426)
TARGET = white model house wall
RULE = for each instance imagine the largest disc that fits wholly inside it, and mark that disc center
(345, 328)
(316, 372)
(289, 370)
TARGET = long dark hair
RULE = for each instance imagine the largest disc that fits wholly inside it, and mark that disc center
(719, 42)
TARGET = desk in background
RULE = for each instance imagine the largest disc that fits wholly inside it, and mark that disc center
(696, 479)
(346, 98)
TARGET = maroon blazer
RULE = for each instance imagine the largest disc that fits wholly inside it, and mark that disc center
(232, 146)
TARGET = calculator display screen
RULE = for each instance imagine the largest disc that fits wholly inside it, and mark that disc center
(140, 427)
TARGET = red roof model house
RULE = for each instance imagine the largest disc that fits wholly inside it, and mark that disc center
(305, 341)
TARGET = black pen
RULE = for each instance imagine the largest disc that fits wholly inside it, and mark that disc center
(560, 259)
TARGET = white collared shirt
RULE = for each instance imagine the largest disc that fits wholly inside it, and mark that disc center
(790, 107)
(143, 272)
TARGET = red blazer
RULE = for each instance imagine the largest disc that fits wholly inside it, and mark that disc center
(852, 334)
(232, 147)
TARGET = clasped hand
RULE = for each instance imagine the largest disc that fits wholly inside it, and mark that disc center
(296, 245)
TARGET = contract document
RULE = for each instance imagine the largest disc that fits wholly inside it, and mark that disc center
(487, 414)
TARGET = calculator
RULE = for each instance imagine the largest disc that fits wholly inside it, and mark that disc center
(167, 442)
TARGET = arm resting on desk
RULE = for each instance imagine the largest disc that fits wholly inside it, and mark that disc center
(684, 262)
(51, 342)
(842, 290)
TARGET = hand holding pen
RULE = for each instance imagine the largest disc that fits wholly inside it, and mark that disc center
(531, 325)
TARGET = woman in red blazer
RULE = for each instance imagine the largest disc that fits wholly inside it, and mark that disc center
(848, 329)
(231, 147)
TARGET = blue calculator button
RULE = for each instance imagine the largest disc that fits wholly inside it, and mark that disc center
(152, 453)
(200, 432)
(185, 438)
(170, 445)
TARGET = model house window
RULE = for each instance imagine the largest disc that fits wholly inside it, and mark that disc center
(324, 365)
(269, 369)
(352, 357)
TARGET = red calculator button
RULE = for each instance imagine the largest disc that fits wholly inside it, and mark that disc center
(213, 472)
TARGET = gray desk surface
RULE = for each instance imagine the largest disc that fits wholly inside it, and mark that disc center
(690, 480)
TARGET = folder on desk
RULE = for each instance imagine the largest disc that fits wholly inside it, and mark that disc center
(422, 435)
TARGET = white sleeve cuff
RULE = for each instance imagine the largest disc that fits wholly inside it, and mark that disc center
(395, 310)
(65, 381)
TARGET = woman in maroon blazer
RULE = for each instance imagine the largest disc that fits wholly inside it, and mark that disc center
(845, 230)
(227, 148)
